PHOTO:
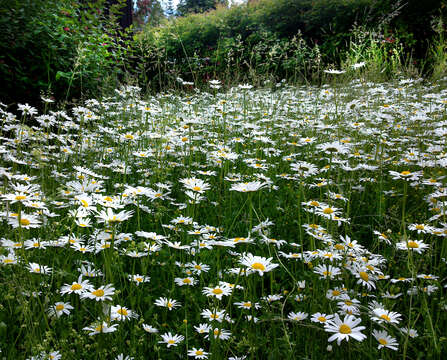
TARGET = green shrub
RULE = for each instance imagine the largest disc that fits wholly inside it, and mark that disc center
(56, 46)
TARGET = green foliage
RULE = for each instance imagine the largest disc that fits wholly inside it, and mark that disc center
(438, 50)
(52, 46)
(292, 39)
(197, 6)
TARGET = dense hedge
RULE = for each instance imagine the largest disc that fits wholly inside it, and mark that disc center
(281, 38)
(71, 49)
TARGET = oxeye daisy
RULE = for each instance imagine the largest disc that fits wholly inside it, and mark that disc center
(198, 353)
(217, 291)
(59, 309)
(171, 340)
(100, 328)
(257, 263)
(190, 281)
(412, 245)
(123, 357)
(26, 221)
(9, 259)
(139, 279)
(150, 329)
(121, 313)
(385, 340)
(321, 318)
(327, 271)
(411, 332)
(39, 269)
(222, 334)
(102, 293)
(217, 315)
(248, 186)
(384, 316)
(299, 316)
(197, 268)
(344, 329)
(203, 328)
(247, 305)
(196, 185)
(110, 217)
(168, 303)
(78, 287)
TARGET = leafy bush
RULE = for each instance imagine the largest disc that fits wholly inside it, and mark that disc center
(276, 39)
(53, 46)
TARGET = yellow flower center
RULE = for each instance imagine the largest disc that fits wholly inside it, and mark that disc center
(186, 281)
(24, 222)
(214, 316)
(321, 319)
(385, 317)
(247, 304)
(336, 293)
(199, 352)
(75, 287)
(122, 312)
(98, 328)
(327, 273)
(217, 291)
(258, 266)
(196, 188)
(60, 307)
(339, 247)
(364, 275)
(344, 329)
(197, 267)
(84, 203)
(413, 245)
(98, 293)
(420, 227)
(328, 211)
(383, 341)
(314, 203)
(7, 261)
(139, 279)
(405, 173)
(20, 197)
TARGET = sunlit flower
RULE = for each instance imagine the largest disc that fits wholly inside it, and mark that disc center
(217, 291)
(198, 353)
(100, 328)
(257, 263)
(167, 303)
(171, 340)
(59, 309)
(78, 287)
(412, 245)
(121, 313)
(102, 293)
(344, 329)
(385, 340)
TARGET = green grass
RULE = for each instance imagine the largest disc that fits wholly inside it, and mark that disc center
(303, 178)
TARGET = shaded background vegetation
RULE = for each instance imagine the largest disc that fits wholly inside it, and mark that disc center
(80, 49)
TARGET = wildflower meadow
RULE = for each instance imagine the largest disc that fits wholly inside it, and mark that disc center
(251, 223)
